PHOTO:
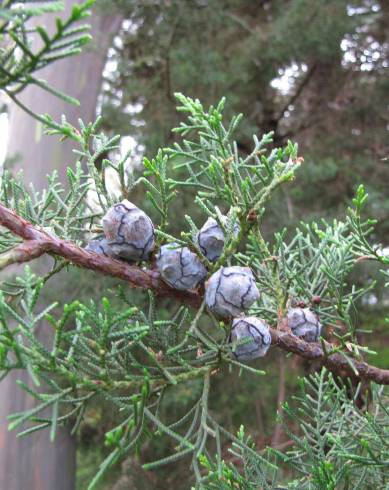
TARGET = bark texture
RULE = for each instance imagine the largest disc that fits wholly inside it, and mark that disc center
(79, 76)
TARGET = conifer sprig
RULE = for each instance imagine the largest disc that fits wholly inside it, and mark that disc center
(129, 355)
(26, 48)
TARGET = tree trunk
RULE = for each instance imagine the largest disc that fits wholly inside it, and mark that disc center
(79, 76)
(34, 462)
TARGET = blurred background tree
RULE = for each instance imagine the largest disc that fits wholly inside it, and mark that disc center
(311, 70)
(46, 466)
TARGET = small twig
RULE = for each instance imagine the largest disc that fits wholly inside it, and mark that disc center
(26, 251)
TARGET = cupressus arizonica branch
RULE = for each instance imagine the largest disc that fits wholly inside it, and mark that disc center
(37, 242)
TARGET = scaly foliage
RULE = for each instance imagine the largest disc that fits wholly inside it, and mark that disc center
(133, 356)
(26, 46)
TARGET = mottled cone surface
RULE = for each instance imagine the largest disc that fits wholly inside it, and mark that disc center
(254, 335)
(304, 323)
(211, 239)
(179, 267)
(129, 231)
(230, 291)
(100, 246)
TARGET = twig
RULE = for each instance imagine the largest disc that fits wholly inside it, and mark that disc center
(335, 363)
(38, 242)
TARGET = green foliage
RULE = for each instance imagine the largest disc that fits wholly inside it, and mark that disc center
(136, 358)
(258, 471)
(336, 446)
(26, 48)
(154, 365)
(340, 442)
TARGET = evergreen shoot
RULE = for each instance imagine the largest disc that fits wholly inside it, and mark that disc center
(210, 299)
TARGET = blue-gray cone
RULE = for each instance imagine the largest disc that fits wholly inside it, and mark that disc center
(129, 231)
(231, 291)
(100, 246)
(250, 337)
(179, 267)
(211, 239)
(304, 323)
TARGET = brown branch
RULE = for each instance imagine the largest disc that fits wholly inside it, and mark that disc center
(24, 252)
(38, 242)
(335, 363)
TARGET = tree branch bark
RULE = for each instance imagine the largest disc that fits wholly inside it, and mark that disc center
(37, 242)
